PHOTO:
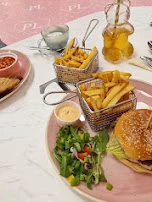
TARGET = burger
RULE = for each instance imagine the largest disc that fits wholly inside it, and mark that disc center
(131, 140)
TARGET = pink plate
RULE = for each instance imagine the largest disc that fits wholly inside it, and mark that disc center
(128, 185)
(24, 70)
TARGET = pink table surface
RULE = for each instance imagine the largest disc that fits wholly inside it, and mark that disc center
(21, 19)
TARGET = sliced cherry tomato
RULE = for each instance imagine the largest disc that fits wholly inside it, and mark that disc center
(87, 150)
(80, 156)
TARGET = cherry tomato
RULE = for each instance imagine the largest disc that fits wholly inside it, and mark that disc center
(87, 150)
(80, 156)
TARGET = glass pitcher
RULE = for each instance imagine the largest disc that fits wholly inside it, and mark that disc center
(116, 45)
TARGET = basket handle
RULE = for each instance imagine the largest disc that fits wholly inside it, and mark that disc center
(89, 32)
(56, 92)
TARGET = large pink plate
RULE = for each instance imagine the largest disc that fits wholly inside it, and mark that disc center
(25, 68)
(129, 186)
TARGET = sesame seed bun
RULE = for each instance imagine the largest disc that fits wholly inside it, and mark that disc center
(133, 134)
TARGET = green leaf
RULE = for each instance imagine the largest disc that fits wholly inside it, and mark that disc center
(73, 133)
(102, 178)
(101, 141)
(57, 155)
(64, 131)
(60, 143)
(66, 160)
(89, 179)
(96, 173)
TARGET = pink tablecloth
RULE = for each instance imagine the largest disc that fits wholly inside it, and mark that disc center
(20, 19)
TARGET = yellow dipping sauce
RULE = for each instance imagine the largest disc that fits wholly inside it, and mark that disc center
(68, 113)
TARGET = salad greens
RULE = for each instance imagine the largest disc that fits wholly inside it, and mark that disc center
(79, 155)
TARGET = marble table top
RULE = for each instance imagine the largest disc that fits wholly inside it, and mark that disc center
(26, 173)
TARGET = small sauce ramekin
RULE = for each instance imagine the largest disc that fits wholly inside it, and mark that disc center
(67, 111)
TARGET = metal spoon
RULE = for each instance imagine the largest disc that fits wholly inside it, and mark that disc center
(47, 51)
(38, 48)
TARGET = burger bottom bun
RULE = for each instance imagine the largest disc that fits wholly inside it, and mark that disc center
(134, 166)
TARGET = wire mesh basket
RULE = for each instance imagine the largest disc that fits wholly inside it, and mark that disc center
(73, 75)
(104, 117)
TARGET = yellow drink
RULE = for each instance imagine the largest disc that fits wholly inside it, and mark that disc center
(116, 44)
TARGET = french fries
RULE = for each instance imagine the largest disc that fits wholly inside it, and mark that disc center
(114, 89)
(119, 95)
(89, 58)
(69, 47)
(113, 92)
(75, 56)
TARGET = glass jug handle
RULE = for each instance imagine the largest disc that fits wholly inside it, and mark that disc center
(126, 2)
(107, 8)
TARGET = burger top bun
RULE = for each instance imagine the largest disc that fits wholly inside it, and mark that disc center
(133, 134)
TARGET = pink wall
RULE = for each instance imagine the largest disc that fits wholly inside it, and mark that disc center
(20, 19)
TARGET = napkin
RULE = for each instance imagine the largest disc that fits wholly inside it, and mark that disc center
(139, 63)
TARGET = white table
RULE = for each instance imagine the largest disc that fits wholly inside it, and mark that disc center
(26, 173)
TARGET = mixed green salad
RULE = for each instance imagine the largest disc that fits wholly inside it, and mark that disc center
(79, 156)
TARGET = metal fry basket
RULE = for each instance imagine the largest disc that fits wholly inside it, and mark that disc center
(73, 75)
(104, 117)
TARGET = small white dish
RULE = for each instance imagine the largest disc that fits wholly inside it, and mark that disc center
(67, 113)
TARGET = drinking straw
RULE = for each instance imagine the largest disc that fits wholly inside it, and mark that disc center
(117, 12)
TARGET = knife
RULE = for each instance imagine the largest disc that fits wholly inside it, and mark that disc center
(148, 60)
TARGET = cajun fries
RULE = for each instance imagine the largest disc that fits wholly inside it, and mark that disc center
(76, 64)
(114, 89)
